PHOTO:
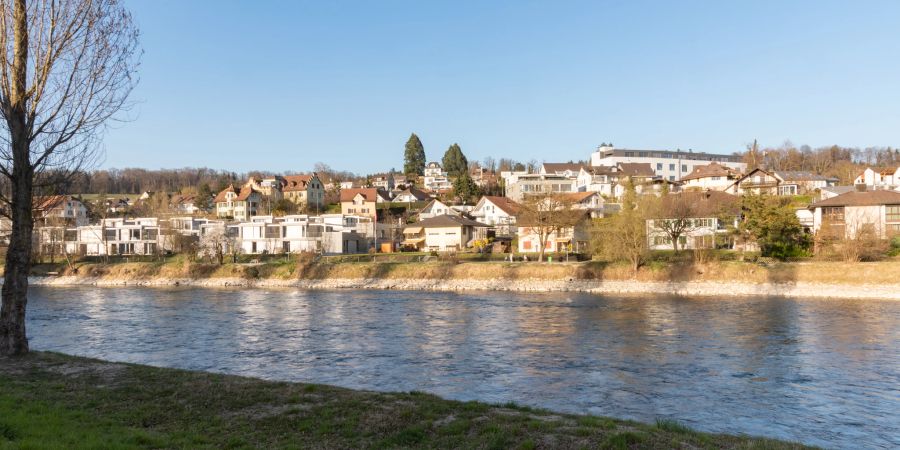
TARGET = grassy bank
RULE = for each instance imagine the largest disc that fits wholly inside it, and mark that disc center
(664, 268)
(55, 401)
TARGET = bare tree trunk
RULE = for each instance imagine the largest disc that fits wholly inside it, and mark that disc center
(13, 340)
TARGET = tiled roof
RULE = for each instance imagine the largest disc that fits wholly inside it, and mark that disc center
(220, 197)
(562, 167)
(788, 175)
(296, 182)
(637, 169)
(447, 221)
(578, 196)
(508, 206)
(700, 204)
(370, 194)
(864, 198)
(713, 169)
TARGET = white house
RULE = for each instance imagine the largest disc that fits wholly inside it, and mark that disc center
(442, 234)
(883, 178)
(569, 170)
(712, 176)
(328, 234)
(435, 179)
(60, 210)
(237, 205)
(561, 240)
(498, 212)
(117, 236)
(851, 213)
(704, 217)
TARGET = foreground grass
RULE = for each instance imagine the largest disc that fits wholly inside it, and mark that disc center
(49, 400)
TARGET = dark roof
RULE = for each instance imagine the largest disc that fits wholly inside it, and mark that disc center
(700, 204)
(713, 169)
(447, 221)
(636, 169)
(562, 167)
(788, 175)
(296, 182)
(866, 198)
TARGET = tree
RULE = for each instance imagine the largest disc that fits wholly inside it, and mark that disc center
(414, 156)
(465, 189)
(204, 198)
(545, 215)
(454, 161)
(623, 236)
(773, 225)
(675, 218)
(67, 68)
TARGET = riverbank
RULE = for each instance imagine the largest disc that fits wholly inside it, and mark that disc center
(880, 280)
(51, 400)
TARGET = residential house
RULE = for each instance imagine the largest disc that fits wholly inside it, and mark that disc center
(60, 210)
(521, 186)
(761, 181)
(384, 181)
(445, 233)
(880, 178)
(591, 202)
(498, 212)
(712, 176)
(184, 204)
(237, 204)
(362, 201)
(437, 208)
(116, 236)
(435, 178)
(568, 239)
(305, 191)
(704, 216)
(328, 234)
(851, 213)
(569, 170)
(411, 195)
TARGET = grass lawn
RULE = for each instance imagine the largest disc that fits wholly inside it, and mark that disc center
(49, 400)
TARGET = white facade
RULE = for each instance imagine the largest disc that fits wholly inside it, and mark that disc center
(328, 234)
(668, 164)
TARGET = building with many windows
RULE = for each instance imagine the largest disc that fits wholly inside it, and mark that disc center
(671, 165)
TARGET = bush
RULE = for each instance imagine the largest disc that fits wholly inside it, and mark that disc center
(894, 249)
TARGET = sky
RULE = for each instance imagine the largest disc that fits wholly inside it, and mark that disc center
(282, 85)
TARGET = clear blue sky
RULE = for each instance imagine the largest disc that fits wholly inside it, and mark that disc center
(282, 85)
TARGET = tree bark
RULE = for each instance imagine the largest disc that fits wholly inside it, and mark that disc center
(13, 340)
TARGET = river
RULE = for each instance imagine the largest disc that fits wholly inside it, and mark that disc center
(822, 372)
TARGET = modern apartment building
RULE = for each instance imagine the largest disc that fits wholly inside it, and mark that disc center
(671, 165)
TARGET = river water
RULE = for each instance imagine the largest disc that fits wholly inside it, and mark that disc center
(823, 372)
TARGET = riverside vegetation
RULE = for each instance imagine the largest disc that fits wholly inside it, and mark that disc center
(51, 400)
(684, 266)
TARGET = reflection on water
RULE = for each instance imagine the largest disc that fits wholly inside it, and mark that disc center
(821, 372)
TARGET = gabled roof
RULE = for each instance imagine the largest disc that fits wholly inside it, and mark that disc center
(636, 169)
(417, 194)
(370, 194)
(220, 197)
(245, 193)
(864, 198)
(788, 175)
(578, 197)
(444, 221)
(562, 167)
(49, 202)
(296, 182)
(712, 169)
(505, 204)
(700, 204)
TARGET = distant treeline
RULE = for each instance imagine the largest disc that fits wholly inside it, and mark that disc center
(844, 163)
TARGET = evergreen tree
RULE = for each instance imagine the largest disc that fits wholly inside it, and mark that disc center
(414, 156)
(455, 162)
(465, 189)
(204, 197)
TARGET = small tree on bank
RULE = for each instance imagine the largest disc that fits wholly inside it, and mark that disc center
(773, 225)
(68, 67)
(623, 236)
(675, 218)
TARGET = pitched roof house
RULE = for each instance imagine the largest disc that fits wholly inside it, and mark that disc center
(564, 169)
(704, 217)
(713, 176)
(306, 191)
(362, 201)
(238, 204)
(442, 233)
(499, 212)
(853, 212)
(60, 210)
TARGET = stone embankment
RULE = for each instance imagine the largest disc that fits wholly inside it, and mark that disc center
(685, 288)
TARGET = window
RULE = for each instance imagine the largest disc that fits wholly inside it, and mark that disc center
(671, 177)
(684, 167)
(833, 214)
(672, 167)
(892, 213)
(658, 166)
(716, 178)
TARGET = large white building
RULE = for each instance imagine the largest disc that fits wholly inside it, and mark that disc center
(671, 165)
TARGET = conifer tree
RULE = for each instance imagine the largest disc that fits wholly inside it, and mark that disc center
(454, 161)
(414, 156)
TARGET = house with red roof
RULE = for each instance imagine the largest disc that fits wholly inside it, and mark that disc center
(236, 204)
